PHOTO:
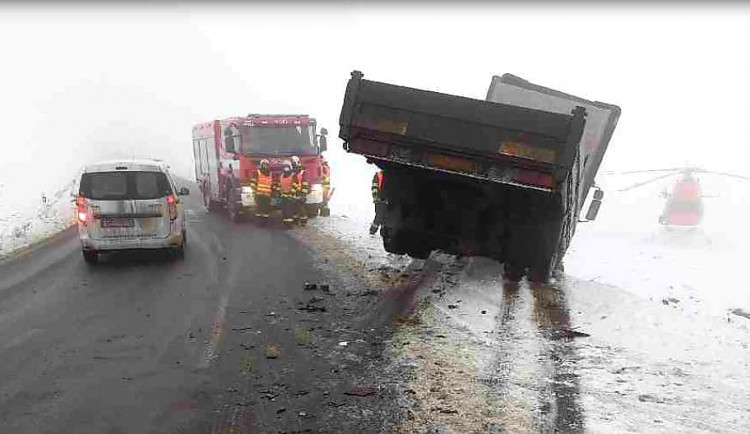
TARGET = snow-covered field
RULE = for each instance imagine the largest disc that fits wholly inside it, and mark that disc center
(26, 218)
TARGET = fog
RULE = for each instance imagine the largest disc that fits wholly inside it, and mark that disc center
(81, 83)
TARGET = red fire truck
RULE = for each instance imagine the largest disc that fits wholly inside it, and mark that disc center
(228, 152)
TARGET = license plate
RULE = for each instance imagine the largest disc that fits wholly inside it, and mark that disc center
(114, 222)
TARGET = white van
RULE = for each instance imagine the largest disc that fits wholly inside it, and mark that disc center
(128, 205)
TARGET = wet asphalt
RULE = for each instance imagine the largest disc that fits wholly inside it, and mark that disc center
(226, 340)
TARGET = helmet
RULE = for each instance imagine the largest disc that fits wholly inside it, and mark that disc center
(287, 166)
(295, 161)
(264, 164)
(323, 161)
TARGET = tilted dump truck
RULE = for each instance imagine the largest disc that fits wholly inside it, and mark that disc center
(472, 177)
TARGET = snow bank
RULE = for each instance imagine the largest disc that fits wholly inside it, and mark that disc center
(26, 219)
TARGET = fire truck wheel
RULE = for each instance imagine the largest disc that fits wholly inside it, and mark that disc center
(312, 210)
(210, 205)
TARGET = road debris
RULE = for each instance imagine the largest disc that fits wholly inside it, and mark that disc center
(343, 344)
(312, 308)
(310, 286)
(246, 363)
(273, 350)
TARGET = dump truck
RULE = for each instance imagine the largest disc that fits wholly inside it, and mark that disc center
(504, 178)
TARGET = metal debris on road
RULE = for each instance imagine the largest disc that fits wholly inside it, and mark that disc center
(343, 344)
(310, 286)
(452, 306)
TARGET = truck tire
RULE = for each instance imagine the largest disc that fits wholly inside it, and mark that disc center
(416, 247)
(419, 252)
(512, 271)
(393, 240)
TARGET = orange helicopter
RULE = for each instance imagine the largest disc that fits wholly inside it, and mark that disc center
(684, 205)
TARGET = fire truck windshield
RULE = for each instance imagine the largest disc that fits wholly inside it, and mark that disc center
(286, 140)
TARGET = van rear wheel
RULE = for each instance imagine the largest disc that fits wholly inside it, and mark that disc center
(90, 256)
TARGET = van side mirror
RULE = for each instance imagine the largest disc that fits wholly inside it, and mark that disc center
(596, 203)
(184, 191)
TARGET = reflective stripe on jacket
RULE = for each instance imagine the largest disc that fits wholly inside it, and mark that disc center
(326, 177)
(288, 186)
(262, 184)
(302, 184)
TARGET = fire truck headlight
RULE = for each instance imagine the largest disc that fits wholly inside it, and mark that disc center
(247, 196)
(316, 194)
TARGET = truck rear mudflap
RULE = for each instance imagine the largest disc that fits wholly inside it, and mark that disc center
(467, 137)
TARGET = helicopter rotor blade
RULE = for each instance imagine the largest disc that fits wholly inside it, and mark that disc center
(732, 175)
(638, 184)
(675, 169)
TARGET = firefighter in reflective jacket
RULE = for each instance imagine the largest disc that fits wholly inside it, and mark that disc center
(287, 189)
(379, 200)
(262, 185)
(326, 181)
(303, 189)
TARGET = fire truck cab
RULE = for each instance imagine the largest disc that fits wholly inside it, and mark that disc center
(228, 152)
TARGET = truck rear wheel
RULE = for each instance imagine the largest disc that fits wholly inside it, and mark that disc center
(393, 240)
(512, 272)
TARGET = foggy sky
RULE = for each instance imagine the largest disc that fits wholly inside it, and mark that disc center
(82, 83)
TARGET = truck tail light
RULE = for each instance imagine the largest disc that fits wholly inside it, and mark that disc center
(534, 178)
(172, 204)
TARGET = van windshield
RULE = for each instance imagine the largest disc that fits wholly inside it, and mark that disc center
(124, 185)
